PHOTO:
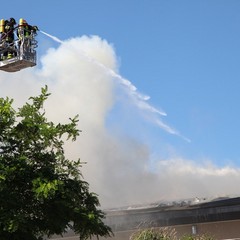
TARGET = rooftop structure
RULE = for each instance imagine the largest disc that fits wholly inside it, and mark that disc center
(219, 218)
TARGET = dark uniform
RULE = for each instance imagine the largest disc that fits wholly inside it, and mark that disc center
(9, 38)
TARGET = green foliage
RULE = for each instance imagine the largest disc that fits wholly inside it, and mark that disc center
(42, 192)
(197, 237)
(154, 234)
(166, 233)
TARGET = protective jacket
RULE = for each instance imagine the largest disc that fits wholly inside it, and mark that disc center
(9, 29)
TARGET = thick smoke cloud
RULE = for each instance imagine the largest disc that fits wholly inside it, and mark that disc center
(119, 168)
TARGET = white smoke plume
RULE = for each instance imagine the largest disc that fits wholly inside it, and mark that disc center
(82, 76)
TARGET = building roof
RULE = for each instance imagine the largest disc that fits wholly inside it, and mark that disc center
(174, 213)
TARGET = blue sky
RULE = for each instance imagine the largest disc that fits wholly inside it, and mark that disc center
(184, 54)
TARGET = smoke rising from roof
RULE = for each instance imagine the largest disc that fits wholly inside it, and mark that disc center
(118, 166)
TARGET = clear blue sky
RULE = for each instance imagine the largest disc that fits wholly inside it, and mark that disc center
(184, 54)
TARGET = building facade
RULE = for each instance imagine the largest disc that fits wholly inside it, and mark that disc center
(219, 218)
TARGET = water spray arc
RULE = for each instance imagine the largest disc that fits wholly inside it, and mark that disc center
(52, 37)
(139, 99)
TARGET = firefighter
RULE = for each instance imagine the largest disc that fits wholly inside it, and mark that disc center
(22, 33)
(21, 28)
(9, 38)
(25, 30)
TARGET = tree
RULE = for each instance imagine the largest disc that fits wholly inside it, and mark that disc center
(41, 192)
